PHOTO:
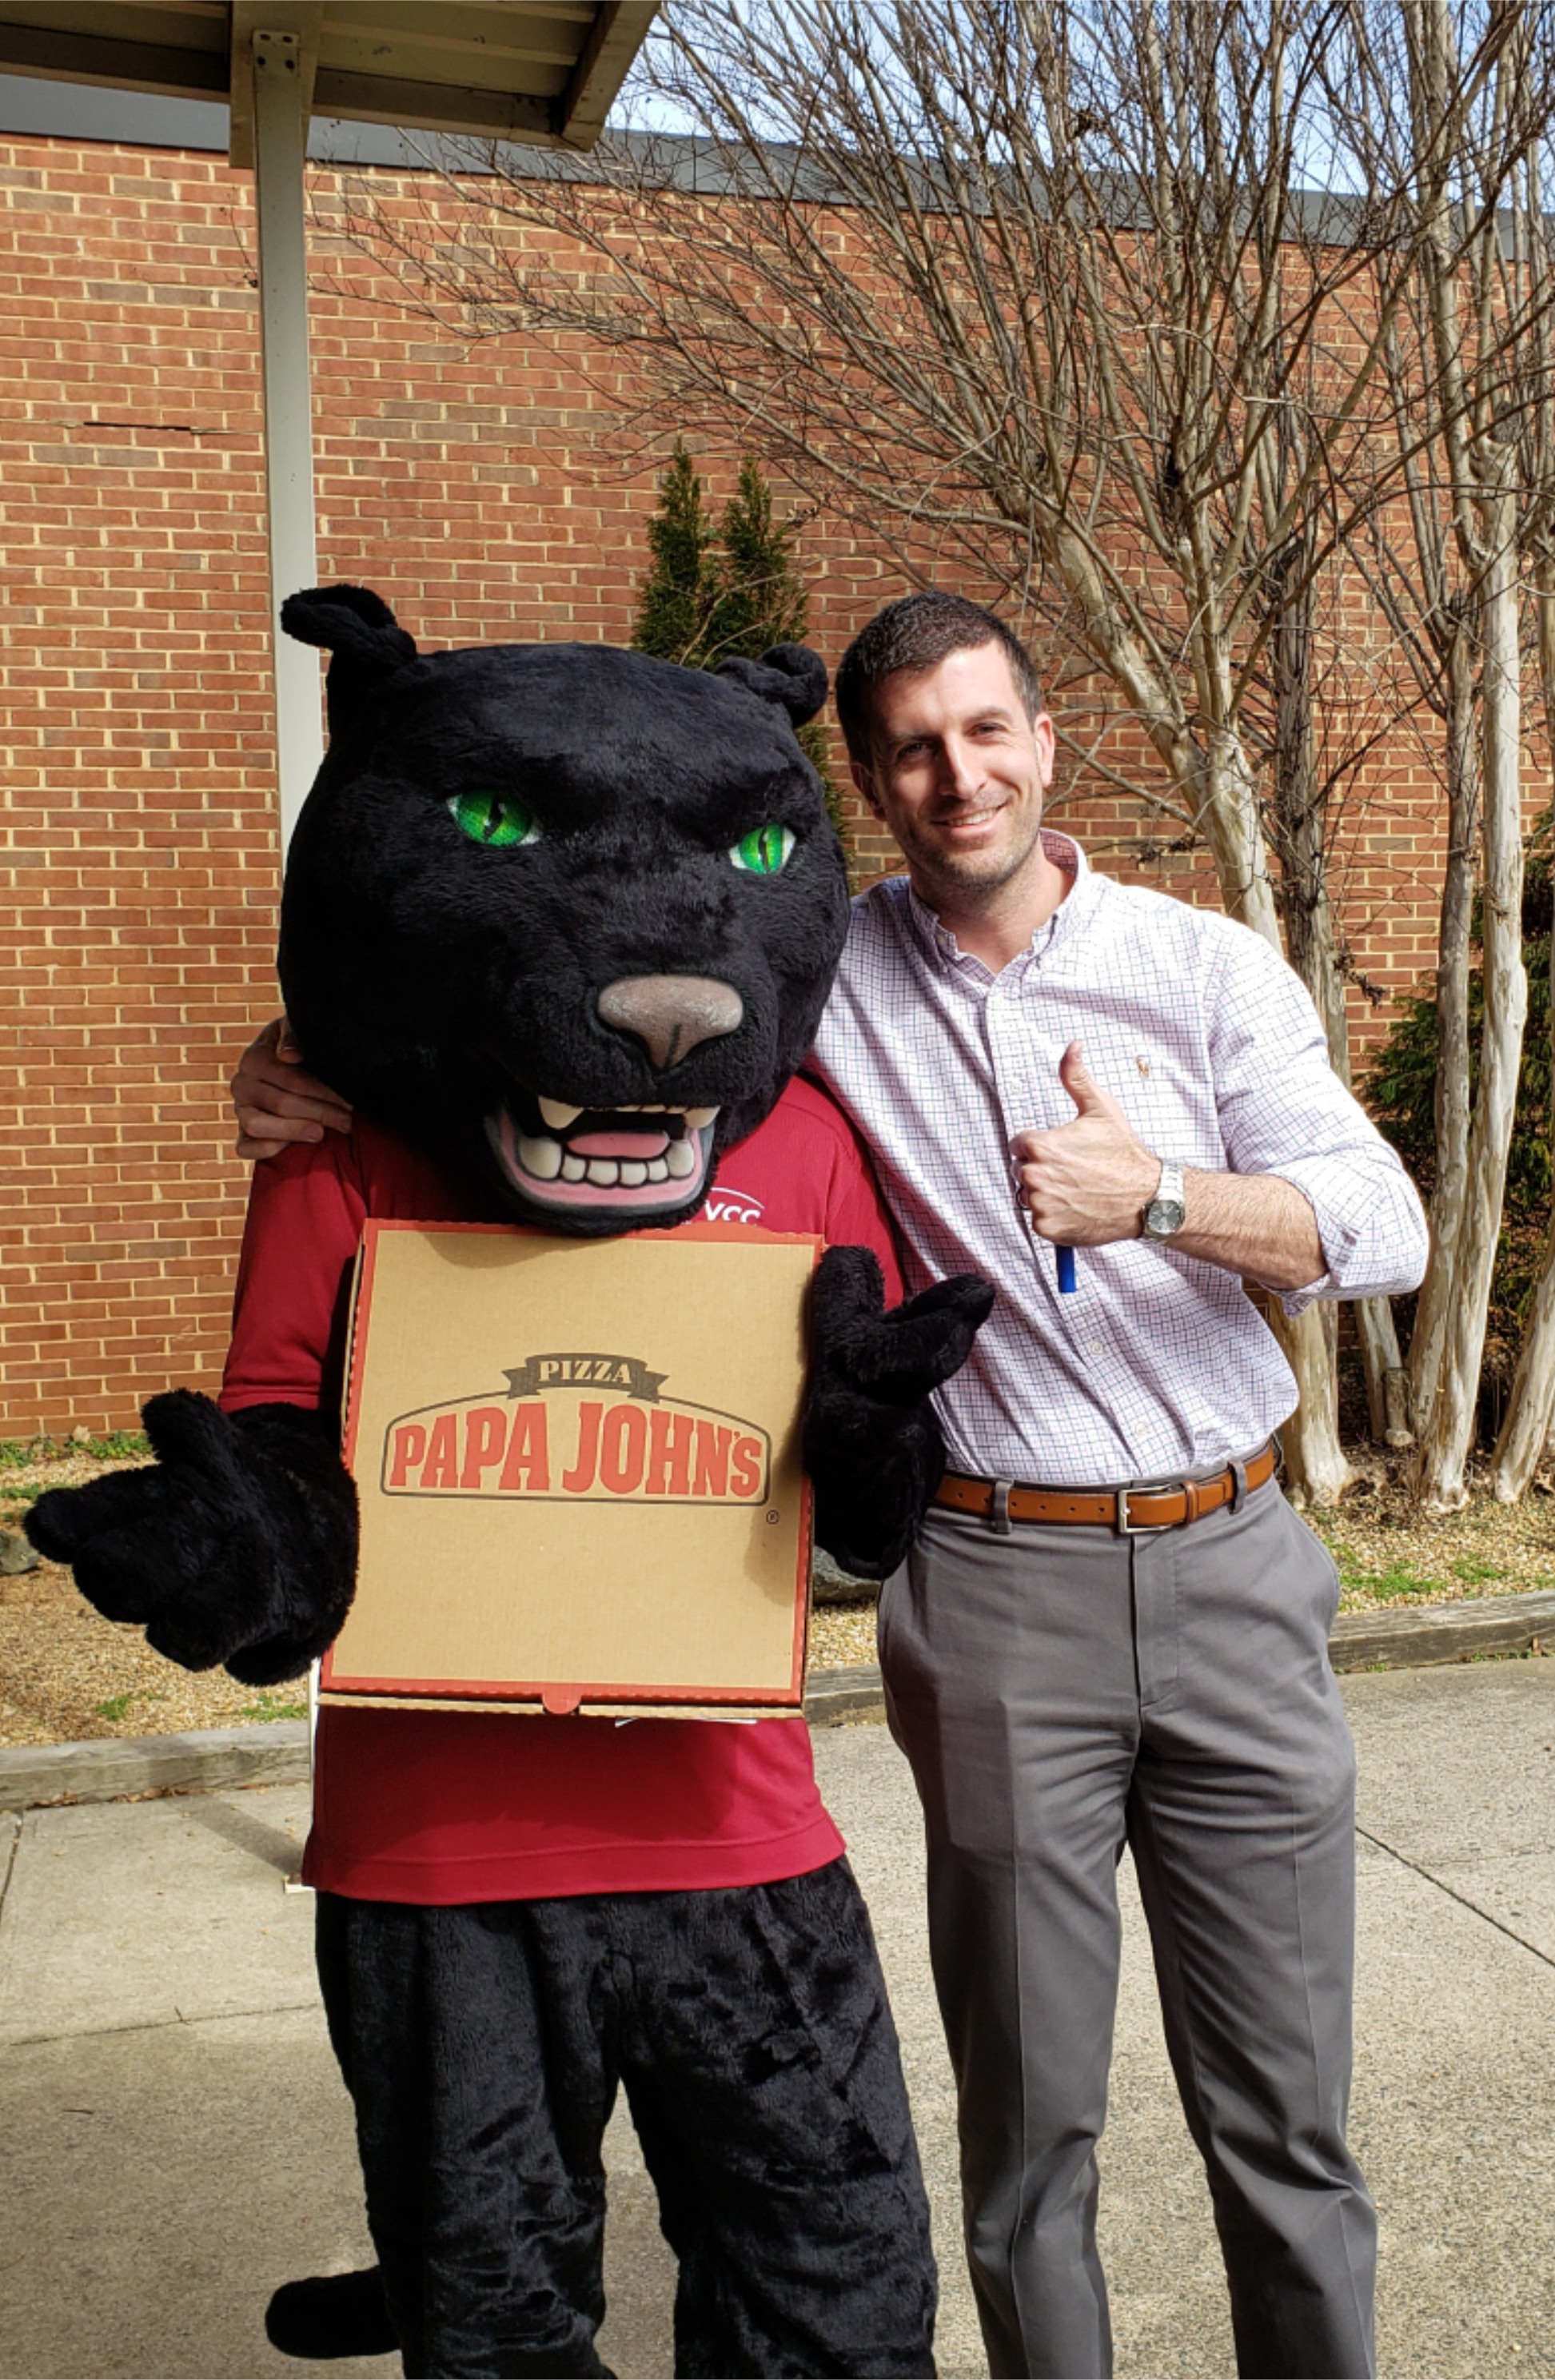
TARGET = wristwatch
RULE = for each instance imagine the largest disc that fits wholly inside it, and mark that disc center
(1167, 1211)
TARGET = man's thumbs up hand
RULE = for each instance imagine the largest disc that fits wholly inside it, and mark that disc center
(1085, 1092)
(1090, 1182)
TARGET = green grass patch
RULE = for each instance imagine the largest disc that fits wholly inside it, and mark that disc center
(1383, 1586)
(118, 1446)
(119, 1706)
(275, 1710)
(1475, 1573)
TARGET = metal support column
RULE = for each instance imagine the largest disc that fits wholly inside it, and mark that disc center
(280, 150)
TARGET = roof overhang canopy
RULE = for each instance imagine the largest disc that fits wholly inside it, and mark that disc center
(545, 71)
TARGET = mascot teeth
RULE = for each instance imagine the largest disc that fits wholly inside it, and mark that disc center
(541, 1157)
(635, 1163)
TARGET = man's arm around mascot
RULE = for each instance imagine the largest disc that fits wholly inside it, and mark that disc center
(542, 900)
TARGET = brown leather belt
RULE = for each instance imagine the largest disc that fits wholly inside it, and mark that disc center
(1127, 1510)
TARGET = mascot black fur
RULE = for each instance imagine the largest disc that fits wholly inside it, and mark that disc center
(560, 921)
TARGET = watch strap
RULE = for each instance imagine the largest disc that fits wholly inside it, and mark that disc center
(1170, 1193)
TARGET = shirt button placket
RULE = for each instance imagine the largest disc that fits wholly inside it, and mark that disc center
(1023, 1108)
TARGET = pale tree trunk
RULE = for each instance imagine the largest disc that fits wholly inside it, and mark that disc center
(1386, 1382)
(1526, 1431)
(1449, 1434)
(1316, 1469)
(1452, 1097)
(1299, 807)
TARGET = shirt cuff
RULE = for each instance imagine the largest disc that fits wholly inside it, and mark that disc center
(1296, 1301)
(1370, 1234)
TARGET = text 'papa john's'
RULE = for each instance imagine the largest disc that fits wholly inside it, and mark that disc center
(577, 1427)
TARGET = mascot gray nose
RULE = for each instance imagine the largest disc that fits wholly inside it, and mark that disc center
(671, 1014)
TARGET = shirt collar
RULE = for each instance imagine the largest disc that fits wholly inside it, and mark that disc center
(1071, 913)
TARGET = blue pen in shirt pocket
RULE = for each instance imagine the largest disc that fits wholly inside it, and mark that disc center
(1066, 1269)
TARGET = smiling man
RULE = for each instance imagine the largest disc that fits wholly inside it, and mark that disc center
(1113, 1629)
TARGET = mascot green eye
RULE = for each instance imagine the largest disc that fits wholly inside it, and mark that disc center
(763, 853)
(493, 818)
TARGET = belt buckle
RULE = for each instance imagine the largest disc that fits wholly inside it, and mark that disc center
(1127, 1528)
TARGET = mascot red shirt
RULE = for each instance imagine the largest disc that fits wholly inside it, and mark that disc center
(448, 1806)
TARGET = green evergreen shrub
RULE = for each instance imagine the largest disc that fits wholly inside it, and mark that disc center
(725, 593)
(678, 593)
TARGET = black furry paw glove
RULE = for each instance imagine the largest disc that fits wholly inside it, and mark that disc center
(241, 1545)
(872, 1446)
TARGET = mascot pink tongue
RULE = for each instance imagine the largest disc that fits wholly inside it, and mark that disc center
(620, 1144)
(560, 922)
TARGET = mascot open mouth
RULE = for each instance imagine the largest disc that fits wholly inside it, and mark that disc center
(555, 1154)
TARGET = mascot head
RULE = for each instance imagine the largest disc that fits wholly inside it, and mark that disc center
(560, 910)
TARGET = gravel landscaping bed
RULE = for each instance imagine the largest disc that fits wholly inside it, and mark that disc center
(1388, 1553)
(67, 1676)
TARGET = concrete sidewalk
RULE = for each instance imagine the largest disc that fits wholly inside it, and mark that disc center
(176, 2140)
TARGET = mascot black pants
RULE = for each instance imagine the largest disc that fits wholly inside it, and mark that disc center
(483, 2045)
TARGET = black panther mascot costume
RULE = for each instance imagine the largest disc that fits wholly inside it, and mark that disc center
(560, 921)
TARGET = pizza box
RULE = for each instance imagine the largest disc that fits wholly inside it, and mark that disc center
(578, 1468)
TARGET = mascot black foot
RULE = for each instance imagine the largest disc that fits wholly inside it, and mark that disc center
(331, 2315)
(560, 921)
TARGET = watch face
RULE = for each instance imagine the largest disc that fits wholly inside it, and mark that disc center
(1164, 1216)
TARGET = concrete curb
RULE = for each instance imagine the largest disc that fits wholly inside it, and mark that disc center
(833, 1695)
(1420, 1638)
(274, 1752)
(121, 1768)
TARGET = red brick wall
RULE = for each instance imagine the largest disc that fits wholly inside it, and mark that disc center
(482, 492)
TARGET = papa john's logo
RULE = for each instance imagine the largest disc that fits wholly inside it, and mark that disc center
(578, 1427)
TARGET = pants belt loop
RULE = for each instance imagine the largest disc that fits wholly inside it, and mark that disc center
(998, 1519)
(1239, 1489)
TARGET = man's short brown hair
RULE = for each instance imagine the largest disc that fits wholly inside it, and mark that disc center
(916, 634)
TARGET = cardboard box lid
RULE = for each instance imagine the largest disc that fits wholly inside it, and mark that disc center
(579, 1467)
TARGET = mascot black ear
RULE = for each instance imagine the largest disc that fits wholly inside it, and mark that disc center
(790, 675)
(357, 629)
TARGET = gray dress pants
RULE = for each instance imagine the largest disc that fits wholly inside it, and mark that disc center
(1063, 1691)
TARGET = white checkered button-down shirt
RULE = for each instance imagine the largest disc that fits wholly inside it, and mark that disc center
(1158, 1365)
